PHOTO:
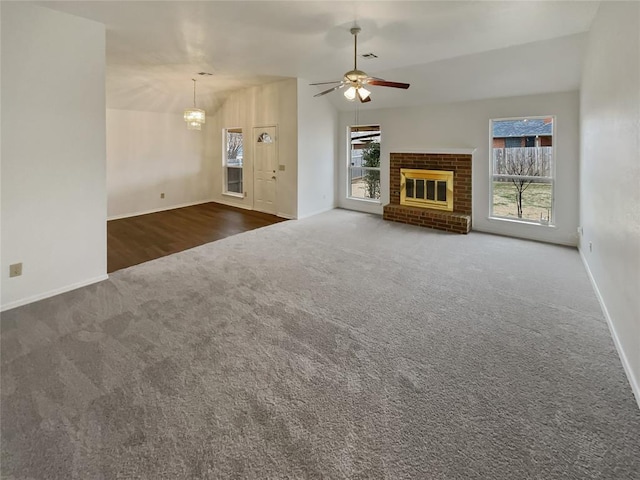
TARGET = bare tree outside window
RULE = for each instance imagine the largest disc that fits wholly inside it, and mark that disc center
(233, 161)
(234, 147)
(522, 169)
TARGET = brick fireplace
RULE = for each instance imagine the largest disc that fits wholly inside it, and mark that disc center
(458, 220)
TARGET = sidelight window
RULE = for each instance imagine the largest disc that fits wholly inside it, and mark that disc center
(232, 157)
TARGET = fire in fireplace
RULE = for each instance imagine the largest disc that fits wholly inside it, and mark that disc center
(426, 188)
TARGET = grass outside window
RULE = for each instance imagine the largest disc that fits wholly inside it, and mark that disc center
(536, 201)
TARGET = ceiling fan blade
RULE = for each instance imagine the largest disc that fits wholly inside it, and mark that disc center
(329, 91)
(326, 83)
(384, 83)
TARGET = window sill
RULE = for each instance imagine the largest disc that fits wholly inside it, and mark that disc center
(233, 194)
(522, 222)
(365, 200)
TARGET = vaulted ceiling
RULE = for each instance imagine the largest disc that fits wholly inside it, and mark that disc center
(447, 50)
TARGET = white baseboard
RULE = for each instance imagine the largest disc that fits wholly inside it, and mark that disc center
(317, 212)
(533, 238)
(525, 231)
(363, 206)
(231, 204)
(199, 202)
(635, 386)
(162, 209)
(52, 293)
(249, 207)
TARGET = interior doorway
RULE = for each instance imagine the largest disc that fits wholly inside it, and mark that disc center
(265, 163)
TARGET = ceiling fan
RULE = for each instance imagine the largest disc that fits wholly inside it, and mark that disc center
(357, 79)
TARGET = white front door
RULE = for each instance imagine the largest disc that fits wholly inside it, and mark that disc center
(265, 164)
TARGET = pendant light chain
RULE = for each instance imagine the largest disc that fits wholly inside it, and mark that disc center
(194, 92)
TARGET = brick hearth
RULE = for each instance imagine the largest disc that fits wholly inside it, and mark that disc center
(458, 221)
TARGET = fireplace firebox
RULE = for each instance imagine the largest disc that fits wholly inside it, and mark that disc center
(426, 188)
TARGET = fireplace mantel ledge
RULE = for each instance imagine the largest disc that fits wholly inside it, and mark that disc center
(453, 151)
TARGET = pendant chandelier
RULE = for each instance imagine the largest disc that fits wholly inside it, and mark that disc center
(194, 116)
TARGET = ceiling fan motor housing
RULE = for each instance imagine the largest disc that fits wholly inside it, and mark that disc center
(355, 76)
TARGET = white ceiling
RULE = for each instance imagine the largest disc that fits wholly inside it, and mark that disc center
(447, 50)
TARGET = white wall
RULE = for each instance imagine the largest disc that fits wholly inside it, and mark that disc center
(465, 125)
(265, 105)
(53, 152)
(317, 151)
(610, 173)
(150, 153)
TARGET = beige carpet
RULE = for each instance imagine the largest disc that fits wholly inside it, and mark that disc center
(339, 346)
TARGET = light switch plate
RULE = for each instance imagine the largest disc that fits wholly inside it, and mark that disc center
(281, 168)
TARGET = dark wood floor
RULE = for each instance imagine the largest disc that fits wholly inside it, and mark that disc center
(134, 240)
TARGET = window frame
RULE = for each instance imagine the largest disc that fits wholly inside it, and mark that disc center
(377, 201)
(552, 180)
(226, 166)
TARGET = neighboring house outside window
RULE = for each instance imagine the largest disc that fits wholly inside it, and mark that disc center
(364, 162)
(232, 158)
(523, 169)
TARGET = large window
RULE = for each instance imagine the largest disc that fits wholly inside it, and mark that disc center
(232, 161)
(364, 162)
(522, 169)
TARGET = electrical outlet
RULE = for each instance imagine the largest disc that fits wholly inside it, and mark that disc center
(281, 168)
(162, 195)
(15, 270)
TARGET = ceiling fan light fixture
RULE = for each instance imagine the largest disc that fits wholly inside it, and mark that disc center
(194, 117)
(356, 79)
(350, 93)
